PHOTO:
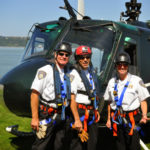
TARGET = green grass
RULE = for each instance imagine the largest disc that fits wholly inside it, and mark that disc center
(7, 119)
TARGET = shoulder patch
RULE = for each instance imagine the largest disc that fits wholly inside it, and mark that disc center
(142, 83)
(41, 75)
(71, 77)
(130, 86)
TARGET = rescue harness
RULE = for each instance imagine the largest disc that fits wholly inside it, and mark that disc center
(62, 94)
(91, 93)
(119, 116)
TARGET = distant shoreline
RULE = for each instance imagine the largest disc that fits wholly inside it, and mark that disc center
(12, 46)
(13, 41)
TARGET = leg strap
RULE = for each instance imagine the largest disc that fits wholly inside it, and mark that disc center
(114, 124)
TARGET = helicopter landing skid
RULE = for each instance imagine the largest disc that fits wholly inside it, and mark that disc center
(14, 130)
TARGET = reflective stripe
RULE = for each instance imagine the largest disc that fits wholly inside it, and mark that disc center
(45, 121)
(48, 120)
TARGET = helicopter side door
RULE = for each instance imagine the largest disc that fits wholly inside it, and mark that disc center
(131, 44)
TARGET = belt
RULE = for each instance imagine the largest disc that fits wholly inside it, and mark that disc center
(83, 106)
(49, 110)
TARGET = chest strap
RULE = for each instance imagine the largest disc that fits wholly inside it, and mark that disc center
(82, 92)
(116, 98)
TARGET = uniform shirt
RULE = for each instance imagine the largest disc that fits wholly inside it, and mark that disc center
(44, 82)
(134, 94)
(77, 84)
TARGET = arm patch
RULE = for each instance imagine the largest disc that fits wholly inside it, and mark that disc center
(71, 78)
(41, 75)
(142, 83)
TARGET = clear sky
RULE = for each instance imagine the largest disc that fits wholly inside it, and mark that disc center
(17, 16)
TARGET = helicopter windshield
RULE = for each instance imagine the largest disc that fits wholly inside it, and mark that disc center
(42, 39)
(98, 38)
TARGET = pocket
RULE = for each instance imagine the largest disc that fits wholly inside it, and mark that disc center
(130, 94)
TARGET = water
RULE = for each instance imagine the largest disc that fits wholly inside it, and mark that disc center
(9, 58)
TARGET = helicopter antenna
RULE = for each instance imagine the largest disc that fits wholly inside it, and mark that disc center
(133, 10)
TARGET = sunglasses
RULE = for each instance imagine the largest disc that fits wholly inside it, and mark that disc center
(62, 54)
(83, 57)
(120, 65)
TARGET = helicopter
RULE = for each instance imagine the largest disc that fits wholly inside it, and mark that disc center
(105, 38)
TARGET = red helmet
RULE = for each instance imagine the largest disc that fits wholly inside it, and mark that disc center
(83, 50)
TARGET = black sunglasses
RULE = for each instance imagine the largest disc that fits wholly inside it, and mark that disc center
(62, 54)
(83, 57)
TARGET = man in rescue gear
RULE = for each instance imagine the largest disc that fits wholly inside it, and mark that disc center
(125, 94)
(84, 101)
(51, 93)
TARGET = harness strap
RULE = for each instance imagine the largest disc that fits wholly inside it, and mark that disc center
(49, 110)
(86, 119)
(131, 117)
(96, 117)
(86, 108)
(114, 124)
(82, 92)
(119, 101)
(116, 98)
(81, 106)
(86, 116)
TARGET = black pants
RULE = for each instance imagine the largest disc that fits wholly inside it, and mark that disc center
(127, 142)
(57, 135)
(56, 138)
(91, 144)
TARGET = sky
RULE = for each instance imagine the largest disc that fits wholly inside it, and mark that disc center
(17, 16)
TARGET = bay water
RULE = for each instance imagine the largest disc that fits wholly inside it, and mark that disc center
(9, 58)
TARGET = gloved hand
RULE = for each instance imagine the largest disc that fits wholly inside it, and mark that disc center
(84, 136)
(42, 131)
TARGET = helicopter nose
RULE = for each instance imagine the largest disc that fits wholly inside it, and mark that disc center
(16, 86)
(11, 85)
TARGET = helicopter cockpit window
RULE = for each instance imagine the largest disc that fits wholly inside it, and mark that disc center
(39, 45)
(41, 40)
(99, 39)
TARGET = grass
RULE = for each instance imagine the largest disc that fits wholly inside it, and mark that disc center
(9, 141)
(7, 118)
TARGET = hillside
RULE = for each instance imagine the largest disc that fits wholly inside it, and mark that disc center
(13, 41)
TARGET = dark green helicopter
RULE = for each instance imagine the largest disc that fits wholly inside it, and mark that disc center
(106, 39)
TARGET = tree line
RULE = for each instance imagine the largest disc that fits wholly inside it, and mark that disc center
(13, 41)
